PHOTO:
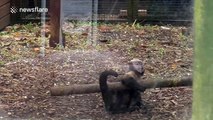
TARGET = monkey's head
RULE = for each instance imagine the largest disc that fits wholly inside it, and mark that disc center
(137, 66)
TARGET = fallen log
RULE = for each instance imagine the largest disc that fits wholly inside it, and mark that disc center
(94, 88)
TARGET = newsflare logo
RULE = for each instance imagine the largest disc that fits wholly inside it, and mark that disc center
(13, 9)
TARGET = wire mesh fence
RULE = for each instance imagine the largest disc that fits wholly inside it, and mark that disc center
(174, 10)
(120, 10)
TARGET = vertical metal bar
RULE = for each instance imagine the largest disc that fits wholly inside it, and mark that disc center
(92, 31)
(43, 20)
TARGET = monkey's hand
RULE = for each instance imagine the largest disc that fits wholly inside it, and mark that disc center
(132, 84)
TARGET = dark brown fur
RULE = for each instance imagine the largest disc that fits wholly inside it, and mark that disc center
(121, 101)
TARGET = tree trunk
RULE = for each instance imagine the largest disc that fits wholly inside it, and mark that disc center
(57, 37)
(202, 89)
(93, 88)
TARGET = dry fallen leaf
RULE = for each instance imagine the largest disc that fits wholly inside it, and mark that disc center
(5, 90)
(174, 66)
(105, 28)
(36, 49)
(141, 32)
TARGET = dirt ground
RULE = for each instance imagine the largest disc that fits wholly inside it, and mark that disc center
(25, 81)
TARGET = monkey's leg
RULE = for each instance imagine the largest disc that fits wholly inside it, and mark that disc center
(136, 101)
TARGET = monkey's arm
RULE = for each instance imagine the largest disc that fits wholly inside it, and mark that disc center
(132, 84)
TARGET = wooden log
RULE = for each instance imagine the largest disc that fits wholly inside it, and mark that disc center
(94, 88)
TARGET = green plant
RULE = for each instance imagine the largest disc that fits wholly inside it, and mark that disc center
(161, 52)
(2, 63)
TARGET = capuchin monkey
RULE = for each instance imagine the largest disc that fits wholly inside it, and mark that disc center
(128, 100)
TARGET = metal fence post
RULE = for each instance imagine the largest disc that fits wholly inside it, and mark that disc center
(132, 10)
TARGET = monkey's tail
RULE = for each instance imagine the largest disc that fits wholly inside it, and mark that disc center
(103, 79)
